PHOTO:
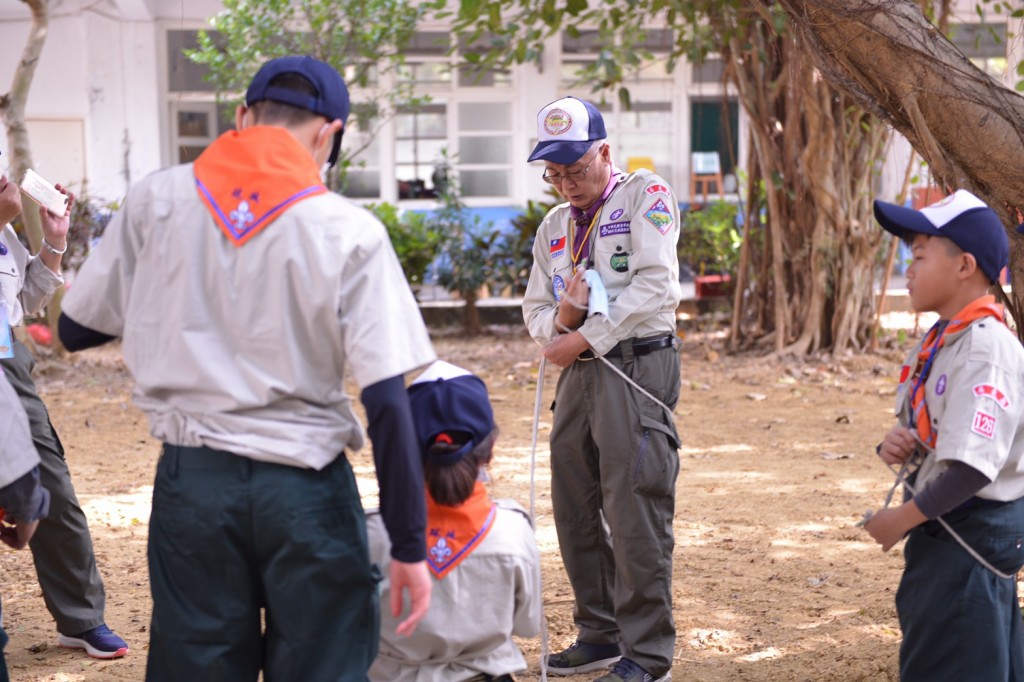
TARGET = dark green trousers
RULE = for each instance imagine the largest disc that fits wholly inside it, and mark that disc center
(61, 546)
(614, 454)
(960, 621)
(232, 539)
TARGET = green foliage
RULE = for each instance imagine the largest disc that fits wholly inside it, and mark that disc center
(514, 249)
(708, 238)
(699, 28)
(467, 254)
(362, 39)
(414, 238)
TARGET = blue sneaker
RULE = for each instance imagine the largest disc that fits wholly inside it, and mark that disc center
(583, 657)
(628, 671)
(100, 642)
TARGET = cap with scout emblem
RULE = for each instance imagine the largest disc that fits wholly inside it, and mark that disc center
(566, 129)
(449, 404)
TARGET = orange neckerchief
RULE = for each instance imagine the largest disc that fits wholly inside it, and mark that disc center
(977, 309)
(454, 532)
(246, 179)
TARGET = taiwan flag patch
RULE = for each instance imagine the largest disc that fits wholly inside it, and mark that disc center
(557, 248)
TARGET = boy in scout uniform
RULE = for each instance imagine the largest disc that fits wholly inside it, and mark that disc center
(960, 404)
(613, 450)
(243, 288)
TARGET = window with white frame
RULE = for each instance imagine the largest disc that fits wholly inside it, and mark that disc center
(421, 136)
(485, 149)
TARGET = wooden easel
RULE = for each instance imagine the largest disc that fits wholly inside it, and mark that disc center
(705, 169)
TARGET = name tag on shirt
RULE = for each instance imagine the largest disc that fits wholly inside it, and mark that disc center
(6, 345)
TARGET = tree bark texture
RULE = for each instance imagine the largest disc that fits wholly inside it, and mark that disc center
(887, 57)
(12, 111)
(815, 152)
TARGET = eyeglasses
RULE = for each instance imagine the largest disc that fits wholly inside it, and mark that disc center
(576, 176)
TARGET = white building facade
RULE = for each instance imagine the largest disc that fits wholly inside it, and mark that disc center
(114, 99)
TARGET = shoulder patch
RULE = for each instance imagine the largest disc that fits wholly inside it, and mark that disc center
(984, 424)
(557, 248)
(660, 216)
(657, 189)
(990, 391)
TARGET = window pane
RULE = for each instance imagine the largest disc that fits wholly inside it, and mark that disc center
(362, 184)
(479, 77)
(484, 149)
(485, 116)
(587, 41)
(193, 124)
(649, 116)
(426, 72)
(182, 73)
(484, 183)
(428, 43)
(189, 153)
(709, 71)
(977, 40)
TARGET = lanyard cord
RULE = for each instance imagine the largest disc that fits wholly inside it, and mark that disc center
(576, 253)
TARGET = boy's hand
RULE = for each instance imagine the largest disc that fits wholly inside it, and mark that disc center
(899, 444)
(17, 533)
(416, 578)
(888, 526)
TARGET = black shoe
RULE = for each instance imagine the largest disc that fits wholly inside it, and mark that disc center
(583, 657)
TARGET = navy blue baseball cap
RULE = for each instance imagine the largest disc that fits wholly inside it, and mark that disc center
(962, 218)
(566, 130)
(449, 404)
(331, 100)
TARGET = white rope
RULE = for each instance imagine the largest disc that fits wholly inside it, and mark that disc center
(533, 515)
(901, 478)
(635, 385)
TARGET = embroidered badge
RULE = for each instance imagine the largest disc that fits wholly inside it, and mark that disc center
(657, 189)
(241, 218)
(3, 249)
(616, 214)
(557, 122)
(990, 391)
(557, 248)
(619, 262)
(440, 552)
(940, 385)
(659, 216)
(558, 285)
(984, 424)
(904, 373)
(610, 229)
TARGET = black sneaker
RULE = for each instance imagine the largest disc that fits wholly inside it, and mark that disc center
(583, 657)
(628, 671)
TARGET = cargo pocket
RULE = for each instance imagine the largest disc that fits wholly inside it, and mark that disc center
(656, 456)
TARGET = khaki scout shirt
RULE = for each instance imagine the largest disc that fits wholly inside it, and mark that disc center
(244, 349)
(475, 610)
(633, 248)
(976, 402)
(18, 454)
(26, 284)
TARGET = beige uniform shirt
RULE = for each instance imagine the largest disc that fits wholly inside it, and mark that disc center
(474, 610)
(26, 284)
(634, 250)
(18, 454)
(244, 349)
(976, 402)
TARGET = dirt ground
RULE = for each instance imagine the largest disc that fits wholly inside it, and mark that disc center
(773, 579)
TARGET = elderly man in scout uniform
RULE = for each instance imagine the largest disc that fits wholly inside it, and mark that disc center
(613, 449)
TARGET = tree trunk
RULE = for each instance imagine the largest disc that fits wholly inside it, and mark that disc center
(814, 151)
(12, 112)
(470, 313)
(894, 63)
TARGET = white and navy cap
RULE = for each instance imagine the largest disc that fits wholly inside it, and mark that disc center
(566, 129)
(962, 218)
(450, 404)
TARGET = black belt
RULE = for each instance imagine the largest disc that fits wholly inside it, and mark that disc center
(640, 347)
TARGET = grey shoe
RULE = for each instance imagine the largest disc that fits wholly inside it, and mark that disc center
(583, 657)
